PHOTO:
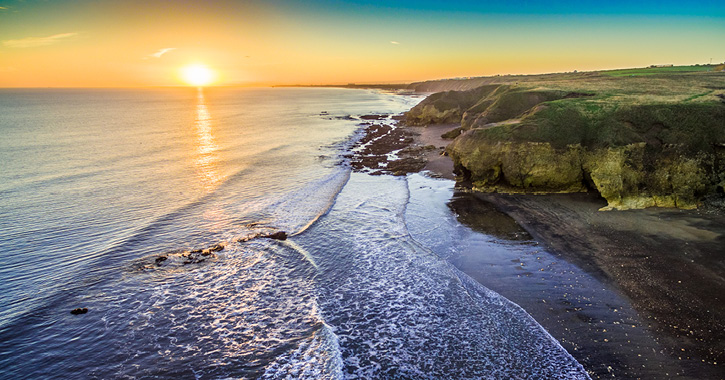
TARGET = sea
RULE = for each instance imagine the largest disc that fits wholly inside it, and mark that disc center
(148, 209)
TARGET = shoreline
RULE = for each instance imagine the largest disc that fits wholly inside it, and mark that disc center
(664, 262)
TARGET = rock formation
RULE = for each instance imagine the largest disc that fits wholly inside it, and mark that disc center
(635, 151)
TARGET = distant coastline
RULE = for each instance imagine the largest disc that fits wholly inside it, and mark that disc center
(467, 83)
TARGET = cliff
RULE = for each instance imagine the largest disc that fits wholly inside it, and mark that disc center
(638, 142)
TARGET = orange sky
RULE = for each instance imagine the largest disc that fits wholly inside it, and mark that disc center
(91, 43)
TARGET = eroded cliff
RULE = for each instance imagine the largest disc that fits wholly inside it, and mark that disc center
(636, 150)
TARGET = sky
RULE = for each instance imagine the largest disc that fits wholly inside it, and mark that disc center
(131, 43)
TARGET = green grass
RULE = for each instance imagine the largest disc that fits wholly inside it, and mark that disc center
(693, 97)
(674, 105)
(595, 124)
(656, 70)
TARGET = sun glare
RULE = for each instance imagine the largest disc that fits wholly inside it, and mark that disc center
(197, 75)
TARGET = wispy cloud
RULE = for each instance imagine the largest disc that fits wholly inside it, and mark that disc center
(395, 42)
(29, 42)
(3, 8)
(159, 53)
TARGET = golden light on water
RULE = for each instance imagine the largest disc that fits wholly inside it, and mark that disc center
(197, 75)
(206, 159)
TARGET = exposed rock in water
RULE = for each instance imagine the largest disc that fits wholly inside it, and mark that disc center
(200, 255)
(386, 149)
(80, 310)
(214, 248)
(279, 235)
(374, 117)
(406, 165)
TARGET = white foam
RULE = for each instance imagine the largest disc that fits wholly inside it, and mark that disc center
(401, 311)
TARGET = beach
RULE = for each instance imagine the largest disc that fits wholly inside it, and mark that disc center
(666, 262)
(630, 294)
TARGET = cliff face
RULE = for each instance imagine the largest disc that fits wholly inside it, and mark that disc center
(628, 177)
(635, 153)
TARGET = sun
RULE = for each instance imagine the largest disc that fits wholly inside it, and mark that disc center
(197, 75)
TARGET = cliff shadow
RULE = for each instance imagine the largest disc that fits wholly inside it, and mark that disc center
(484, 217)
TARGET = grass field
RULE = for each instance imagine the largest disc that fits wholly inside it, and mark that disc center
(657, 70)
(679, 80)
(673, 105)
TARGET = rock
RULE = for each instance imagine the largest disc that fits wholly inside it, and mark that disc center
(80, 310)
(406, 165)
(452, 134)
(373, 117)
(279, 235)
(216, 248)
(160, 260)
(628, 177)
(519, 167)
(194, 260)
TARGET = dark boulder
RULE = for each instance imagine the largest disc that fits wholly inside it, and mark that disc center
(373, 117)
(279, 235)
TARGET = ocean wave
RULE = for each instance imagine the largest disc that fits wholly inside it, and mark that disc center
(400, 311)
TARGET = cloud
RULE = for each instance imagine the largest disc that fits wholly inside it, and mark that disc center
(29, 42)
(3, 8)
(159, 53)
(395, 42)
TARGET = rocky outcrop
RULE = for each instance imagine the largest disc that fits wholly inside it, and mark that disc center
(628, 177)
(634, 155)
(482, 106)
(446, 107)
(279, 235)
(79, 311)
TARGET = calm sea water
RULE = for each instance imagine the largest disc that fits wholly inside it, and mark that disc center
(96, 185)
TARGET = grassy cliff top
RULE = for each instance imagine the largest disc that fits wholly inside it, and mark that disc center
(682, 105)
(662, 80)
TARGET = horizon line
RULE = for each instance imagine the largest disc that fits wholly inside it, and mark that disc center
(372, 83)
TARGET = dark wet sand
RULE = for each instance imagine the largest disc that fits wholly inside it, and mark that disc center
(660, 312)
(667, 263)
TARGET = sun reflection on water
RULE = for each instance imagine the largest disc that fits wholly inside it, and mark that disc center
(207, 158)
